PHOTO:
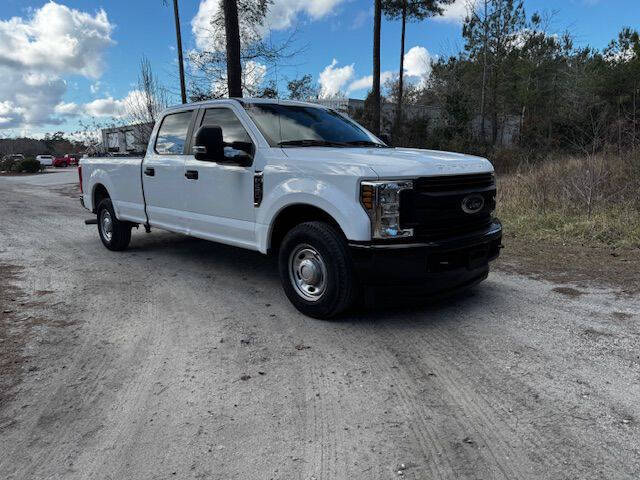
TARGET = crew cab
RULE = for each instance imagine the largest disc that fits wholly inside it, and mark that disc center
(347, 216)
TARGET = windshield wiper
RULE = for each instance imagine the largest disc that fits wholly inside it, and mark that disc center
(311, 143)
(367, 143)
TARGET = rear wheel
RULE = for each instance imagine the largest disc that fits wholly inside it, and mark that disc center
(316, 270)
(115, 235)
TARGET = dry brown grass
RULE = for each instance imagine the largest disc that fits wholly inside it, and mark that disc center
(590, 200)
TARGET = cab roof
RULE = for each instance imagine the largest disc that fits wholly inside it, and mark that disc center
(247, 101)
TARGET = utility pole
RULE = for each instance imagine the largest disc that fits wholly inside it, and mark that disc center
(183, 88)
(377, 16)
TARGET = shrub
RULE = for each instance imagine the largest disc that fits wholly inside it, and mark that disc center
(590, 200)
(29, 165)
(16, 166)
(6, 165)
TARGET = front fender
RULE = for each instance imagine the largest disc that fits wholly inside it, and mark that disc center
(340, 203)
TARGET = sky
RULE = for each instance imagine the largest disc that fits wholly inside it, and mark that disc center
(63, 62)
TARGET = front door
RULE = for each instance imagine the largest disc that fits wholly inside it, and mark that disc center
(163, 173)
(219, 196)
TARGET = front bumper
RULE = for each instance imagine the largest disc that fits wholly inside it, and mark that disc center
(427, 269)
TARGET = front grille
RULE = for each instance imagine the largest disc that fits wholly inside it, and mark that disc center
(434, 207)
(452, 183)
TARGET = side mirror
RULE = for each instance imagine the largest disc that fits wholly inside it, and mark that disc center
(238, 153)
(208, 144)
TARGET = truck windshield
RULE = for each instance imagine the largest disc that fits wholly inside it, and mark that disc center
(303, 126)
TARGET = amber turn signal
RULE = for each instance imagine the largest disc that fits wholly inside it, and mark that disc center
(366, 196)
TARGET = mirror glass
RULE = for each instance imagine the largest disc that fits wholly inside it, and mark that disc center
(232, 153)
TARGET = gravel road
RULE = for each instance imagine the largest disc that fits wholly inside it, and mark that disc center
(183, 359)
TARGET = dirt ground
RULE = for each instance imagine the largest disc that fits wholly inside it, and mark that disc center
(181, 358)
(615, 268)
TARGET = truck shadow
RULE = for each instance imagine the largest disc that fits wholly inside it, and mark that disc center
(210, 258)
(202, 255)
(447, 309)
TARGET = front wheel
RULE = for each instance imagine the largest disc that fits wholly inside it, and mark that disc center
(316, 270)
(115, 235)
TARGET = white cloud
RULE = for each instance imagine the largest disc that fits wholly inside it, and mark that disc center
(69, 108)
(105, 107)
(8, 112)
(457, 11)
(200, 24)
(282, 14)
(95, 87)
(417, 62)
(253, 74)
(29, 98)
(110, 107)
(332, 79)
(367, 82)
(37, 51)
(361, 18)
(620, 56)
(56, 39)
(417, 66)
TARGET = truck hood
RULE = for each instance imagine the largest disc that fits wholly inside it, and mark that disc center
(395, 162)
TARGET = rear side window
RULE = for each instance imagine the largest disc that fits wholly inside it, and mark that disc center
(172, 135)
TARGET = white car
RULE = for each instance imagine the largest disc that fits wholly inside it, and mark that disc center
(45, 160)
(344, 213)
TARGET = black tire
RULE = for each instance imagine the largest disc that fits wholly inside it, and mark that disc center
(120, 236)
(336, 291)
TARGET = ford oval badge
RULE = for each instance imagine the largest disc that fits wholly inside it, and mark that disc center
(472, 203)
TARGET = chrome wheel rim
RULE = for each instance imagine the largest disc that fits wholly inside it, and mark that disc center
(106, 225)
(307, 272)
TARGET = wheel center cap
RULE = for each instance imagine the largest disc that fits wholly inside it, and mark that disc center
(309, 272)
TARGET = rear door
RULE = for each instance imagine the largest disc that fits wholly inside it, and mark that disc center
(163, 172)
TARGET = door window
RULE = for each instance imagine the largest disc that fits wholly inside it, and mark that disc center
(172, 135)
(234, 136)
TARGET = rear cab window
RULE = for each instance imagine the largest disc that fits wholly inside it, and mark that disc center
(172, 135)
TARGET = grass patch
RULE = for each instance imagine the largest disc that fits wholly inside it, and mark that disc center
(590, 201)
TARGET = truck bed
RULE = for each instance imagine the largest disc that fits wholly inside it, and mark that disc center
(122, 178)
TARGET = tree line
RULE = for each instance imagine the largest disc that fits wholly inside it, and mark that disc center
(512, 71)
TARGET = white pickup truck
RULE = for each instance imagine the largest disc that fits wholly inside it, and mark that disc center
(348, 216)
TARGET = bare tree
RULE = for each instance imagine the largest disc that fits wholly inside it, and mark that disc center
(302, 88)
(259, 55)
(143, 107)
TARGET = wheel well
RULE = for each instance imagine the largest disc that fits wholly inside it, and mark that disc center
(294, 215)
(99, 193)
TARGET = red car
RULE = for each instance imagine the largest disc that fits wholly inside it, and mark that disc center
(68, 159)
(72, 158)
(60, 162)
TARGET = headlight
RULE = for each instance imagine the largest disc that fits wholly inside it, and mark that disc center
(381, 200)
